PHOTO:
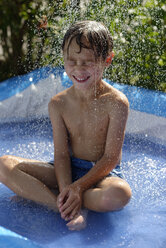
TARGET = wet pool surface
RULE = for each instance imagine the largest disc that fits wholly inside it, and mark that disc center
(140, 224)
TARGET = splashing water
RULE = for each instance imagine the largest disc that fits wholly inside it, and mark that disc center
(137, 30)
(143, 165)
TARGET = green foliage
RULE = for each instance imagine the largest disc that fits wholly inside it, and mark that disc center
(137, 28)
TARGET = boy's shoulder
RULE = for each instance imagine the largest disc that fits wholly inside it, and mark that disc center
(61, 97)
(60, 101)
(115, 97)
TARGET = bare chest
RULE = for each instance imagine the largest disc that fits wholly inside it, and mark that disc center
(87, 124)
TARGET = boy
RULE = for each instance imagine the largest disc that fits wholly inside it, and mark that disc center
(88, 122)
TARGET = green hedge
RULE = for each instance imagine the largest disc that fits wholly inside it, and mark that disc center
(137, 28)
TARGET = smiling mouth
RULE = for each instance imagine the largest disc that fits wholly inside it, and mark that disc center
(81, 79)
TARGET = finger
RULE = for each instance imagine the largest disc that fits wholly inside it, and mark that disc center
(62, 196)
(58, 202)
(74, 213)
(68, 210)
(69, 201)
(68, 218)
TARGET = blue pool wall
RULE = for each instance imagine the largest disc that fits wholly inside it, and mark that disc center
(140, 99)
(26, 97)
(140, 224)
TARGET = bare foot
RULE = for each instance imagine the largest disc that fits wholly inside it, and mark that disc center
(79, 222)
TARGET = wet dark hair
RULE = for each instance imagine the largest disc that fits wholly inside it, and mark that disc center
(95, 33)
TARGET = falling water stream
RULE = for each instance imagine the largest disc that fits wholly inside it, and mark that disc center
(144, 149)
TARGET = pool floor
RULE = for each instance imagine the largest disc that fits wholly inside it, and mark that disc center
(140, 224)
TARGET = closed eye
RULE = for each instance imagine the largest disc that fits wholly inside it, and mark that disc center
(71, 62)
(83, 63)
(90, 63)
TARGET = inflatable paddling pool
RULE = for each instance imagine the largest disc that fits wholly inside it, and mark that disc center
(25, 130)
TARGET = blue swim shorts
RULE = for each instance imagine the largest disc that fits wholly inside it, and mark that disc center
(80, 167)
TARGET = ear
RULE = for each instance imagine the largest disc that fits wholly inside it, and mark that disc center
(109, 58)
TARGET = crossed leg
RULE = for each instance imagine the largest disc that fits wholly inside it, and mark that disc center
(112, 193)
(30, 179)
(34, 180)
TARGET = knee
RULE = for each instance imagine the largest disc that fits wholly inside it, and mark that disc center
(5, 167)
(116, 196)
(3, 161)
(5, 158)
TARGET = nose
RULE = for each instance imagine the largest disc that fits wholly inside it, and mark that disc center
(80, 63)
(79, 68)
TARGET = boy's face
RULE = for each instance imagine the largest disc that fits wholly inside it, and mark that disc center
(82, 67)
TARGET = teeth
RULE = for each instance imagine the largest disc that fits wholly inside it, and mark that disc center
(80, 79)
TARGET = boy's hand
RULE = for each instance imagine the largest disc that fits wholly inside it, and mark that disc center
(69, 202)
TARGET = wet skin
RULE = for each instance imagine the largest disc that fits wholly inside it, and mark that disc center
(91, 116)
(87, 114)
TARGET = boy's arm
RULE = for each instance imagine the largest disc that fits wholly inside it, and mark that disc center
(115, 136)
(61, 151)
(114, 141)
